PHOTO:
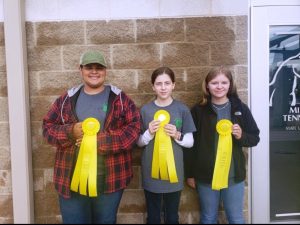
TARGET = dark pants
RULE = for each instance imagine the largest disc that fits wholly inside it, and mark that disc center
(80, 209)
(169, 202)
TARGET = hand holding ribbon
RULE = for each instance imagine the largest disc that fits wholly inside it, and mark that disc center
(224, 154)
(85, 173)
(237, 131)
(163, 163)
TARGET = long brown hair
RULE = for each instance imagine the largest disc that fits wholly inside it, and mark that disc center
(205, 95)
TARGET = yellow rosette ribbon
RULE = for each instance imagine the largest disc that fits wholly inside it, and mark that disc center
(224, 153)
(163, 163)
(85, 173)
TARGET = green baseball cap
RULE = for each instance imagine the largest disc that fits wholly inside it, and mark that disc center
(92, 57)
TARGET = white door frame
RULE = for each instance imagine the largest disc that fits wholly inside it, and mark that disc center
(263, 13)
(19, 112)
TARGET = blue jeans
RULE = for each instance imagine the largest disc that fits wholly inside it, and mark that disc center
(80, 209)
(233, 202)
(170, 204)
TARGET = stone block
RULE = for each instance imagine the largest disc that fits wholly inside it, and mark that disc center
(145, 85)
(30, 38)
(141, 99)
(136, 181)
(228, 53)
(46, 204)
(210, 29)
(56, 83)
(54, 219)
(38, 180)
(59, 33)
(3, 84)
(6, 206)
(48, 220)
(144, 81)
(126, 80)
(2, 40)
(241, 77)
(195, 76)
(2, 59)
(5, 163)
(37, 139)
(42, 158)
(160, 30)
(4, 152)
(44, 58)
(39, 204)
(222, 219)
(243, 94)
(137, 56)
(136, 156)
(5, 182)
(185, 54)
(241, 28)
(190, 98)
(33, 82)
(189, 200)
(110, 32)
(180, 79)
(5, 220)
(130, 218)
(4, 134)
(36, 128)
(4, 109)
(189, 217)
(39, 106)
(133, 201)
(40, 220)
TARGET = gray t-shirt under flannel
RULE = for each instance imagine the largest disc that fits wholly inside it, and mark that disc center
(94, 106)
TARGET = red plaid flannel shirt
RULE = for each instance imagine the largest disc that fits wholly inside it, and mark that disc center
(121, 131)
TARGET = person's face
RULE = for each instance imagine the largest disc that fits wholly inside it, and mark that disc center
(219, 87)
(93, 75)
(163, 86)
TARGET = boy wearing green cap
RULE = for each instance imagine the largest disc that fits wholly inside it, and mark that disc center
(120, 127)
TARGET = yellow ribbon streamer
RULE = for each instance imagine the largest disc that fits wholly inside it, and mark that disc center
(85, 173)
(163, 163)
(224, 153)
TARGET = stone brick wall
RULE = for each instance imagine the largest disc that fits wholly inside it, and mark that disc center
(133, 49)
(6, 210)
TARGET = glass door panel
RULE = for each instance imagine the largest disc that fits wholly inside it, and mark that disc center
(284, 105)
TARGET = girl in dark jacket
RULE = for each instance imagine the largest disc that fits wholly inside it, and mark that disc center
(207, 164)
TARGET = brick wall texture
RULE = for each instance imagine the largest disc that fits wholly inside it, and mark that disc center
(133, 49)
